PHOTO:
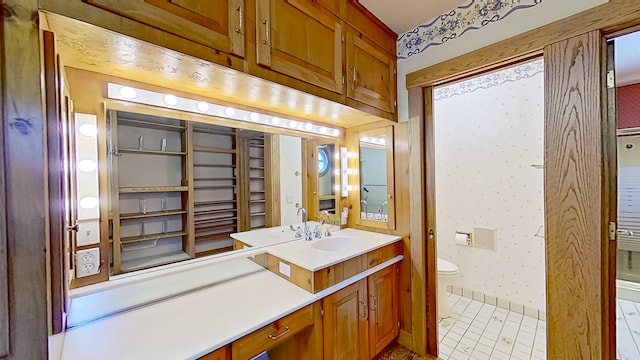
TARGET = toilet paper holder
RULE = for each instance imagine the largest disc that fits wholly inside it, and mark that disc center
(463, 238)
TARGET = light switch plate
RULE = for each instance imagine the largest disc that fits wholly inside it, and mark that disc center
(284, 269)
(289, 199)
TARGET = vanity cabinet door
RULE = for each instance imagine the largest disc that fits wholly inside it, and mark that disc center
(217, 24)
(300, 39)
(345, 323)
(371, 73)
(383, 308)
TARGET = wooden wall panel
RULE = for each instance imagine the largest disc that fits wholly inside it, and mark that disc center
(4, 269)
(575, 207)
(25, 176)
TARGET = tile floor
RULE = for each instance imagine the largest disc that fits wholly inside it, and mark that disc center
(628, 330)
(482, 331)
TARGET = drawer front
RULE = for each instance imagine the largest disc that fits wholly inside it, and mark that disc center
(272, 335)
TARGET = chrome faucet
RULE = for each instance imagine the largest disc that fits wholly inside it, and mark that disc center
(304, 220)
(325, 214)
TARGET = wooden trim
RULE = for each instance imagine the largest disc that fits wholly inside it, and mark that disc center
(432, 233)
(575, 211)
(611, 16)
(26, 181)
(187, 166)
(5, 330)
(272, 180)
(419, 283)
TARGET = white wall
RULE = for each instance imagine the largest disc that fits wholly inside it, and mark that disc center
(486, 141)
(290, 184)
(516, 23)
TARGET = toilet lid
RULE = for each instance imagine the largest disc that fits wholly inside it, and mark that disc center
(445, 266)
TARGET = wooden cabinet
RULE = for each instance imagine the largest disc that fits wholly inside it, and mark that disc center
(371, 73)
(304, 41)
(216, 24)
(220, 354)
(361, 319)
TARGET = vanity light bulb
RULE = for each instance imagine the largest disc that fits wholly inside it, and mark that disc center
(337, 156)
(293, 124)
(275, 120)
(308, 126)
(203, 106)
(86, 165)
(170, 99)
(336, 132)
(254, 117)
(229, 111)
(127, 92)
(382, 142)
(349, 171)
(337, 172)
(349, 187)
(323, 130)
(88, 130)
(337, 187)
(88, 202)
(349, 155)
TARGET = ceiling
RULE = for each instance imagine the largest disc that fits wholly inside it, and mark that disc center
(404, 15)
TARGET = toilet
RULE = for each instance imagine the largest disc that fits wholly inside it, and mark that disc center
(447, 271)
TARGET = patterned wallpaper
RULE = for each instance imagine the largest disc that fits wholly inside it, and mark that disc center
(486, 139)
(628, 106)
(448, 26)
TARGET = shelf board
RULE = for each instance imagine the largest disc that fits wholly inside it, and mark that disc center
(216, 227)
(138, 238)
(213, 131)
(151, 214)
(211, 149)
(258, 214)
(214, 202)
(256, 157)
(211, 237)
(216, 179)
(149, 124)
(151, 152)
(216, 165)
(256, 167)
(257, 201)
(215, 220)
(213, 187)
(256, 191)
(214, 251)
(256, 145)
(258, 227)
(152, 189)
(212, 212)
(151, 261)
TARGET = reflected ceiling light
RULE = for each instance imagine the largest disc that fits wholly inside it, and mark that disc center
(203, 106)
(337, 172)
(337, 156)
(88, 130)
(337, 187)
(128, 92)
(170, 99)
(88, 202)
(152, 98)
(349, 171)
(86, 165)
(349, 155)
(382, 142)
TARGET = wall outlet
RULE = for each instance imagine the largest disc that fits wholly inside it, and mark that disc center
(284, 269)
(87, 262)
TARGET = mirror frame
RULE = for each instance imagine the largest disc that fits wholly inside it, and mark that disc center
(310, 148)
(354, 179)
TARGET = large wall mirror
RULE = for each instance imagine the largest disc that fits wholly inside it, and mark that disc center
(376, 203)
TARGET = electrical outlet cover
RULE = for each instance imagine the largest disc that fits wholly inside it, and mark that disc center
(87, 262)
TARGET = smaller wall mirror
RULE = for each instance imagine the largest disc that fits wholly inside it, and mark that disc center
(375, 206)
(321, 165)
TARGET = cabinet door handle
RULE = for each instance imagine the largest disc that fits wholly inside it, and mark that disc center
(240, 19)
(276, 337)
(374, 301)
(365, 314)
(266, 31)
(353, 79)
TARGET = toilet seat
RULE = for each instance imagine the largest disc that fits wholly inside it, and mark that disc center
(446, 268)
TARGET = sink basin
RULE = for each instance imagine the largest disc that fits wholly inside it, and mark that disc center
(335, 243)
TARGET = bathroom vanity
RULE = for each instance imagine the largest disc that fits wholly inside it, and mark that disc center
(314, 299)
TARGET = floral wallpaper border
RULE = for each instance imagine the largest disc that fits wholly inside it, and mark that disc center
(458, 21)
(512, 74)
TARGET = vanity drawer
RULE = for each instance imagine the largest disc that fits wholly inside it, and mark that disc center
(271, 335)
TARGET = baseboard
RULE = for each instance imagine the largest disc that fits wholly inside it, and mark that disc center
(499, 302)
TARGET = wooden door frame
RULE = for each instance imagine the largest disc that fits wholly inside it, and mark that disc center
(604, 19)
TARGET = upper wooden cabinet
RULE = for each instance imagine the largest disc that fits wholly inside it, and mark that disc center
(300, 39)
(217, 24)
(371, 73)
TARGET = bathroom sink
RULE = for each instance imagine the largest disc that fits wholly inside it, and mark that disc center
(335, 243)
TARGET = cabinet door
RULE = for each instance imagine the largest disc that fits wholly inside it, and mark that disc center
(300, 40)
(370, 74)
(383, 308)
(345, 323)
(217, 24)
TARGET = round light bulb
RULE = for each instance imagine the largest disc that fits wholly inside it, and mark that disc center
(170, 99)
(88, 202)
(349, 155)
(382, 142)
(337, 156)
(293, 124)
(88, 130)
(127, 92)
(229, 111)
(275, 120)
(349, 171)
(254, 117)
(323, 130)
(336, 132)
(308, 126)
(337, 187)
(203, 106)
(86, 165)
(349, 187)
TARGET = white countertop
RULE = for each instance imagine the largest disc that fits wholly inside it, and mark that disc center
(356, 242)
(172, 325)
(275, 235)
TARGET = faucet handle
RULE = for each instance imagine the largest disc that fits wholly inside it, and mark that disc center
(316, 232)
(298, 234)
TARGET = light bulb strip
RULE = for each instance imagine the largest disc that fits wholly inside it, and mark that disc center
(147, 97)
